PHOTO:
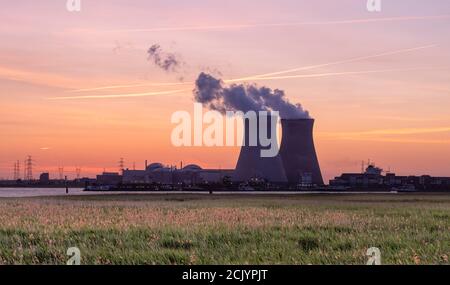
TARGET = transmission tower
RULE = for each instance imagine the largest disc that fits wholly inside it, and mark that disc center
(29, 168)
(61, 173)
(24, 170)
(78, 171)
(121, 164)
(16, 171)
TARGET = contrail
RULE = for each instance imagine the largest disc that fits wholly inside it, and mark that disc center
(335, 62)
(318, 75)
(393, 140)
(293, 24)
(170, 92)
(130, 86)
(256, 77)
(342, 73)
(408, 131)
(375, 135)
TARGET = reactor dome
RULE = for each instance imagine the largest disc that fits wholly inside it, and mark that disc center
(192, 167)
(154, 166)
(162, 170)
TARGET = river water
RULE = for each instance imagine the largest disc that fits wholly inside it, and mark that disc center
(37, 192)
(45, 192)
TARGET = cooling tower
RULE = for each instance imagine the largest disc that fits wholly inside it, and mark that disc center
(298, 152)
(252, 165)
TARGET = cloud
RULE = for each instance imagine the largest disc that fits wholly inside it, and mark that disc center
(244, 97)
(166, 61)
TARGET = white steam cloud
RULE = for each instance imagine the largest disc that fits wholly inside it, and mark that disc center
(244, 97)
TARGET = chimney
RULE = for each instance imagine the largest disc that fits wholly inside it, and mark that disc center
(250, 163)
(298, 152)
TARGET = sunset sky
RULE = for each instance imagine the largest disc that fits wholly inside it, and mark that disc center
(377, 83)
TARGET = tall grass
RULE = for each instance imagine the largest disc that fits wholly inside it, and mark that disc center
(226, 230)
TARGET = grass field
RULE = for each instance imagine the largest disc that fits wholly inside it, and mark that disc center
(226, 229)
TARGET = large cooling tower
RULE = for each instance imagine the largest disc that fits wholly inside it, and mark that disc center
(251, 165)
(298, 152)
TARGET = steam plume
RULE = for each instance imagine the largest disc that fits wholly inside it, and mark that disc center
(244, 97)
(166, 61)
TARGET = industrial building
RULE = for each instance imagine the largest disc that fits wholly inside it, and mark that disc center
(373, 178)
(109, 178)
(191, 174)
(295, 164)
(44, 178)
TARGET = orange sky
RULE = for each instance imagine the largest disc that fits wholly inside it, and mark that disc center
(377, 84)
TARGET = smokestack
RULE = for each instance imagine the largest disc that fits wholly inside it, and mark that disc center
(252, 165)
(298, 152)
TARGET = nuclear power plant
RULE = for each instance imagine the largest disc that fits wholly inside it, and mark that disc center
(296, 162)
(298, 152)
(251, 165)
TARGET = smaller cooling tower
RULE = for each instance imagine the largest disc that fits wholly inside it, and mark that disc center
(250, 163)
(298, 152)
